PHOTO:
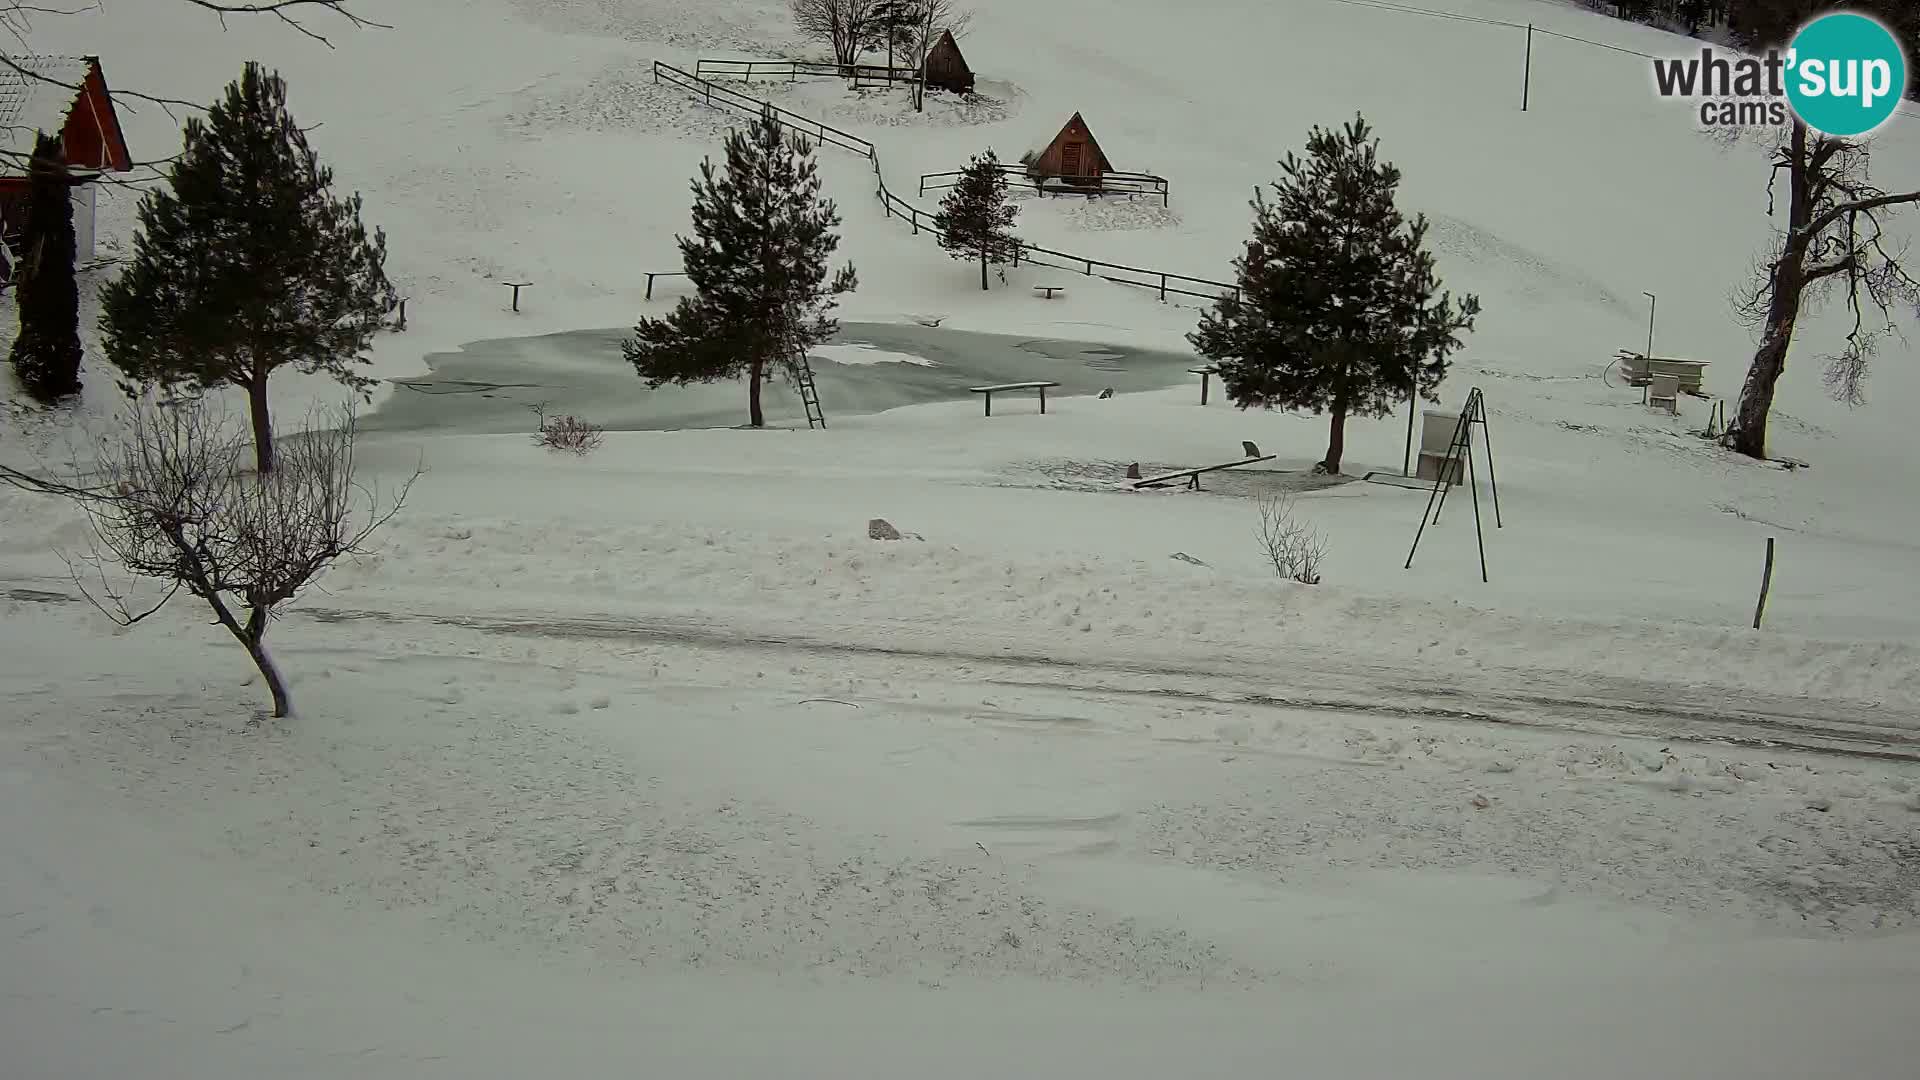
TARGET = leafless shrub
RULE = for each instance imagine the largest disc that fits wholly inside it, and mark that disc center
(1295, 548)
(181, 507)
(569, 433)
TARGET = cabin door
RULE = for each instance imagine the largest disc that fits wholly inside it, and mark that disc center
(1070, 159)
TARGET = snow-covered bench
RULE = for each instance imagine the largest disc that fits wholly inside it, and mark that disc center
(989, 391)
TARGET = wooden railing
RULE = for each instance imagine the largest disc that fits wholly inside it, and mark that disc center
(793, 70)
(1107, 183)
(724, 97)
(1160, 281)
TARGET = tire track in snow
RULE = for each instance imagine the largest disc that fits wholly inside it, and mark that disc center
(1322, 683)
(1608, 707)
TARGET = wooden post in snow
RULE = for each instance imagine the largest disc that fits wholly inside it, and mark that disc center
(1526, 86)
(1766, 582)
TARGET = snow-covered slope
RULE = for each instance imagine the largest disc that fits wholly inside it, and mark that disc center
(529, 141)
(653, 760)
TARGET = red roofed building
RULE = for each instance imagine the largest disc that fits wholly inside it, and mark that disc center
(67, 96)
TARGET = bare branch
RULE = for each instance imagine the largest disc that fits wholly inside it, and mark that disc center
(1844, 265)
(121, 612)
(1826, 220)
(41, 485)
(288, 12)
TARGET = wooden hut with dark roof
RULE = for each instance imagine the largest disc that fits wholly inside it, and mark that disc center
(1073, 156)
(945, 68)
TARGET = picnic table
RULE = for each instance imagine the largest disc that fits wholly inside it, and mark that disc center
(1049, 290)
(989, 391)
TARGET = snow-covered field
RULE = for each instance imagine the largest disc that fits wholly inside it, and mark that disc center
(653, 761)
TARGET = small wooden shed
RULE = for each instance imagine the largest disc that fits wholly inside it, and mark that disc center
(1073, 154)
(65, 96)
(945, 68)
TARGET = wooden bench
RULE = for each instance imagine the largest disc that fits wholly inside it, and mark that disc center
(1049, 290)
(989, 391)
(1205, 373)
(1192, 476)
(1663, 392)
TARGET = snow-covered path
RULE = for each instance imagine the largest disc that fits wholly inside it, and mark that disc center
(1295, 677)
(642, 826)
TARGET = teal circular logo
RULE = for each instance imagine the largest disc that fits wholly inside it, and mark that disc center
(1846, 74)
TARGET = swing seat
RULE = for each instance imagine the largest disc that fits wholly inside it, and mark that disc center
(1431, 464)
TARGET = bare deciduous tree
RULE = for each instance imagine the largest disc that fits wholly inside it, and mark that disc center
(180, 508)
(848, 27)
(913, 26)
(1294, 547)
(852, 27)
(1834, 242)
(931, 18)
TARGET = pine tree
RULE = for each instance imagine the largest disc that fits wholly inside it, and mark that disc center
(247, 263)
(758, 263)
(46, 355)
(1337, 310)
(975, 220)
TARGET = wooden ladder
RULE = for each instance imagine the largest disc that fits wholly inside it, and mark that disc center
(809, 393)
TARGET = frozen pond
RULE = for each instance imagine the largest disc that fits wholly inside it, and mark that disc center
(488, 386)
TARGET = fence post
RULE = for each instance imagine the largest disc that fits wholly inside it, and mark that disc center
(1163, 288)
(1766, 582)
(1526, 86)
(649, 286)
(1089, 267)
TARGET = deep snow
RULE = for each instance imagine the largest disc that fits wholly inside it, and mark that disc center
(652, 760)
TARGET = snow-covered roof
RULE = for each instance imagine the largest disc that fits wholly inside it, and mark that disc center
(36, 95)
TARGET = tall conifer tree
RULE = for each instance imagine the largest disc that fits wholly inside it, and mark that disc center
(246, 263)
(762, 236)
(1339, 309)
(975, 221)
(46, 355)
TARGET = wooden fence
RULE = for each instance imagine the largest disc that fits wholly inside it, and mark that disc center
(795, 70)
(1107, 183)
(1162, 282)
